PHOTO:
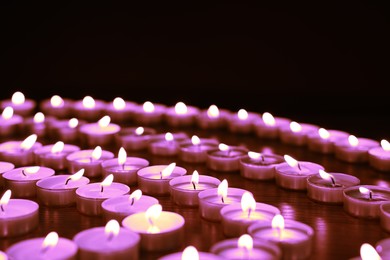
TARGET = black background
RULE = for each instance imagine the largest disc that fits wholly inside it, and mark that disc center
(317, 62)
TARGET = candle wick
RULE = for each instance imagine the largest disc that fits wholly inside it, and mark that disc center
(222, 199)
(67, 181)
(24, 173)
(44, 249)
(370, 195)
(123, 166)
(110, 236)
(2, 207)
(262, 158)
(299, 166)
(101, 188)
(132, 201)
(249, 213)
(333, 181)
(194, 185)
(161, 175)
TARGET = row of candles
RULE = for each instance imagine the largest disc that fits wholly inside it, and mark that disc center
(225, 158)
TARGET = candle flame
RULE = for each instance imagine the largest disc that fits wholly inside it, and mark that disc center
(324, 175)
(119, 103)
(152, 214)
(242, 114)
(245, 242)
(167, 171)
(148, 107)
(31, 169)
(88, 102)
(323, 133)
(368, 252)
(5, 198)
(295, 127)
(268, 119)
(168, 137)
(39, 118)
(122, 156)
(248, 203)
(353, 141)
(213, 111)
(181, 108)
(18, 98)
(136, 195)
(190, 253)
(107, 181)
(58, 147)
(364, 190)
(51, 240)
(8, 113)
(223, 147)
(290, 161)
(112, 228)
(223, 189)
(56, 101)
(278, 222)
(29, 142)
(139, 130)
(104, 121)
(254, 155)
(195, 140)
(77, 176)
(97, 153)
(385, 145)
(195, 177)
(73, 122)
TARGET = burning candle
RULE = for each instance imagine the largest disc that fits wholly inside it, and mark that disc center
(4, 167)
(185, 189)
(353, 149)
(159, 230)
(135, 138)
(181, 115)
(296, 134)
(50, 247)
(67, 130)
(120, 207)
(22, 180)
(242, 122)
(225, 158)
(17, 216)
(124, 168)
(292, 174)
(323, 140)
(269, 126)
(257, 166)
(328, 187)
(121, 111)
(190, 252)
(101, 133)
(10, 124)
(212, 118)
(294, 238)
(379, 157)
(54, 155)
(109, 242)
(364, 200)
(38, 124)
(60, 190)
(57, 106)
(22, 106)
(237, 217)
(167, 146)
(245, 247)
(90, 197)
(89, 109)
(154, 180)
(211, 201)
(195, 151)
(149, 113)
(90, 160)
(20, 153)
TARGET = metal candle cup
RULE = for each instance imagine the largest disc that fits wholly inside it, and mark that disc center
(262, 168)
(132, 140)
(24, 109)
(159, 145)
(379, 159)
(207, 120)
(225, 160)
(126, 173)
(243, 125)
(325, 145)
(10, 126)
(4, 167)
(149, 115)
(122, 113)
(184, 119)
(83, 160)
(90, 113)
(57, 160)
(270, 130)
(196, 153)
(94, 134)
(354, 154)
(12, 152)
(59, 110)
(384, 216)
(297, 138)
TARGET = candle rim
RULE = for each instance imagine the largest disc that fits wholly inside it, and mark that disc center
(40, 184)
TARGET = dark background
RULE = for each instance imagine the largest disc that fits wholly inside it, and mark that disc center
(317, 62)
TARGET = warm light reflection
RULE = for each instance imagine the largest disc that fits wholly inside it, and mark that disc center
(28, 142)
(168, 137)
(295, 127)
(246, 242)
(223, 147)
(242, 114)
(385, 145)
(213, 111)
(290, 161)
(58, 147)
(7, 113)
(73, 122)
(5, 199)
(195, 140)
(268, 119)
(190, 253)
(148, 107)
(152, 214)
(56, 101)
(181, 108)
(167, 171)
(97, 153)
(323, 133)
(18, 98)
(88, 102)
(248, 203)
(104, 121)
(39, 118)
(112, 229)
(107, 181)
(223, 190)
(368, 252)
(51, 240)
(122, 156)
(119, 103)
(139, 130)
(353, 141)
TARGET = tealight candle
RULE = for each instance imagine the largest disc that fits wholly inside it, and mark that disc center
(328, 187)
(22, 180)
(50, 247)
(20, 153)
(242, 122)
(237, 217)
(154, 180)
(60, 190)
(269, 126)
(121, 111)
(54, 155)
(382, 247)
(159, 230)
(257, 166)
(124, 168)
(245, 247)
(185, 189)
(38, 124)
(296, 134)
(181, 115)
(212, 118)
(10, 124)
(323, 140)
(17, 216)
(294, 238)
(67, 130)
(195, 151)
(379, 157)
(135, 138)
(167, 146)
(211, 201)
(90, 197)
(353, 149)
(4, 167)
(57, 106)
(364, 200)
(293, 174)
(225, 158)
(22, 106)
(190, 252)
(90, 160)
(109, 242)
(120, 207)
(149, 113)
(89, 109)
(101, 133)
(384, 216)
